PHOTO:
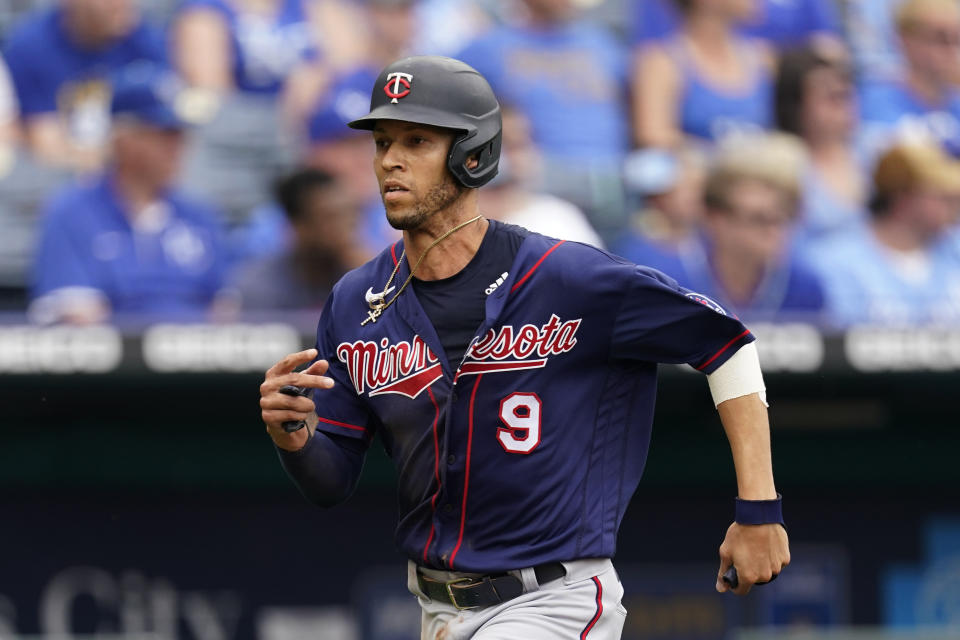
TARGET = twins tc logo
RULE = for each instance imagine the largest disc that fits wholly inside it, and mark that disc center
(398, 86)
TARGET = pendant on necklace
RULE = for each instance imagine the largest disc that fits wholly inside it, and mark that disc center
(377, 304)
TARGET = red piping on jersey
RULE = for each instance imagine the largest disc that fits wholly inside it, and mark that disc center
(596, 616)
(342, 424)
(719, 353)
(534, 267)
(436, 471)
(393, 253)
(466, 477)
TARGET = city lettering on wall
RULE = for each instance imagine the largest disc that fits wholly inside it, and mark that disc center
(253, 347)
(93, 600)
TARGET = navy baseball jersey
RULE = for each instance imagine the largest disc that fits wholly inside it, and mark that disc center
(529, 448)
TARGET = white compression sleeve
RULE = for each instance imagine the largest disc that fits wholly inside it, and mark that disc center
(738, 376)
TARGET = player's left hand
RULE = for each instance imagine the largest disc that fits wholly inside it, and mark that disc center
(758, 551)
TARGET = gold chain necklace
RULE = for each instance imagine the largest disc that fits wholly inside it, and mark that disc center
(376, 301)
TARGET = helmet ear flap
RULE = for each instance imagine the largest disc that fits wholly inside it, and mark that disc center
(487, 156)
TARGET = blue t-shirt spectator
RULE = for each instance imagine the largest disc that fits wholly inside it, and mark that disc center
(789, 290)
(265, 49)
(712, 113)
(785, 23)
(52, 73)
(890, 110)
(823, 213)
(643, 250)
(869, 284)
(172, 267)
(568, 79)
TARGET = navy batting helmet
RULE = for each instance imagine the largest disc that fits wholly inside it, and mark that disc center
(447, 93)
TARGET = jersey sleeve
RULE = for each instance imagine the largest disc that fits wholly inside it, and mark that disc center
(660, 321)
(340, 410)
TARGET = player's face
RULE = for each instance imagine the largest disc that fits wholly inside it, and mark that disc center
(411, 167)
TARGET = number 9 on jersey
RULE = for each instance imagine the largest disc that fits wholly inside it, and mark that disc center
(520, 412)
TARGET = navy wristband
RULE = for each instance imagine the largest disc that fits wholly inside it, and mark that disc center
(760, 511)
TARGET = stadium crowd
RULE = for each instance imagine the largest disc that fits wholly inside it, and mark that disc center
(791, 159)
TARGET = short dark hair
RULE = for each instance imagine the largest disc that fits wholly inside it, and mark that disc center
(789, 92)
(291, 190)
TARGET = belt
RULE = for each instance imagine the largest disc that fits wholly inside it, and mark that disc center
(484, 591)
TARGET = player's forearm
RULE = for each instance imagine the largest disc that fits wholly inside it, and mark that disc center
(748, 430)
(326, 469)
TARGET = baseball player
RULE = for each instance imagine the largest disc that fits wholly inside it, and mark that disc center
(511, 378)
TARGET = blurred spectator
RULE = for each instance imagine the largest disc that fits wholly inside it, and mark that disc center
(905, 268)
(8, 112)
(324, 220)
(510, 199)
(747, 262)
(568, 77)
(368, 34)
(923, 100)
(872, 36)
(665, 232)
(60, 58)
(127, 243)
(815, 100)
(344, 153)
(706, 81)
(243, 45)
(783, 23)
(444, 25)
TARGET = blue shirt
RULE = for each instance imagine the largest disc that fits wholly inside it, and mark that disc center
(786, 23)
(264, 49)
(864, 285)
(52, 73)
(824, 212)
(570, 81)
(889, 110)
(87, 241)
(789, 290)
(528, 449)
(711, 113)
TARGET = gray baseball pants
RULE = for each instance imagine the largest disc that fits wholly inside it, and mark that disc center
(582, 605)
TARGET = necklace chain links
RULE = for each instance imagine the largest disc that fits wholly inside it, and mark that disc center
(377, 305)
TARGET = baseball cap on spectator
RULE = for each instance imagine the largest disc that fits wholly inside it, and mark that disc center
(347, 100)
(153, 95)
(907, 167)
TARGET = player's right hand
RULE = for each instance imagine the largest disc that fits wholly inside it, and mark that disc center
(277, 408)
